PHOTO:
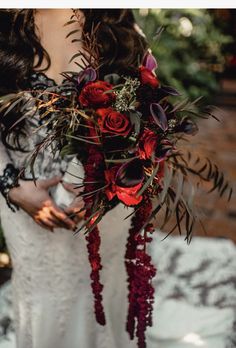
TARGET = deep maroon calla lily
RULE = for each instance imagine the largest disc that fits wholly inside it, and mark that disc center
(89, 74)
(125, 182)
(168, 90)
(130, 174)
(159, 116)
(149, 62)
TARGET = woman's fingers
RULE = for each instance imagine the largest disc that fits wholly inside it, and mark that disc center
(50, 223)
(53, 211)
(75, 214)
(43, 224)
(47, 183)
(73, 188)
(57, 223)
(63, 218)
(69, 187)
(52, 217)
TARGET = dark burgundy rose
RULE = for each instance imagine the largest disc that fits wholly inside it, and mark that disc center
(146, 95)
(113, 122)
(93, 94)
(147, 144)
(147, 77)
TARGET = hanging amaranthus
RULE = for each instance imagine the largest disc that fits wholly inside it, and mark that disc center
(140, 274)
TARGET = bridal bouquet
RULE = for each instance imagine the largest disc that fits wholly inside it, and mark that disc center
(126, 133)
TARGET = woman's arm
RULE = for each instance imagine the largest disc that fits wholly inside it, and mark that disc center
(32, 197)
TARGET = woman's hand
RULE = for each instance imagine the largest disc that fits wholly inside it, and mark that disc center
(74, 209)
(35, 200)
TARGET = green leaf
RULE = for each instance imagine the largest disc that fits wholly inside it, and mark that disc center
(66, 150)
(112, 78)
(121, 160)
(76, 55)
(179, 191)
(135, 118)
(178, 105)
(89, 219)
(13, 105)
(167, 181)
(70, 22)
(81, 139)
(149, 181)
(152, 215)
(72, 32)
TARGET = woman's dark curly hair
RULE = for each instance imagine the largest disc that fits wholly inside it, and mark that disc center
(120, 45)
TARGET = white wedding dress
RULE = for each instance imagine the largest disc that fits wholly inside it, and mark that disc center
(53, 300)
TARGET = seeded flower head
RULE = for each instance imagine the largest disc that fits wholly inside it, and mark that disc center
(126, 96)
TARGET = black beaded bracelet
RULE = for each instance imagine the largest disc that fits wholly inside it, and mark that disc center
(8, 180)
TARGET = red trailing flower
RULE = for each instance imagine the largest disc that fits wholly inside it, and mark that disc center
(93, 95)
(147, 144)
(93, 171)
(140, 274)
(113, 122)
(147, 77)
(93, 246)
(127, 195)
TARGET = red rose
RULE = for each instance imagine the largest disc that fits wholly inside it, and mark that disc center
(147, 144)
(111, 121)
(127, 195)
(92, 95)
(147, 77)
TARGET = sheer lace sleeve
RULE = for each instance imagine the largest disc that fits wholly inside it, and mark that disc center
(4, 157)
(8, 175)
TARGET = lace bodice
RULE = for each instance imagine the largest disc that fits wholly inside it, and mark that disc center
(46, 164)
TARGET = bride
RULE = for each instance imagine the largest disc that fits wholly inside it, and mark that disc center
(51, 274)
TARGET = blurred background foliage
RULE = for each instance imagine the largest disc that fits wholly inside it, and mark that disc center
(189, 45)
